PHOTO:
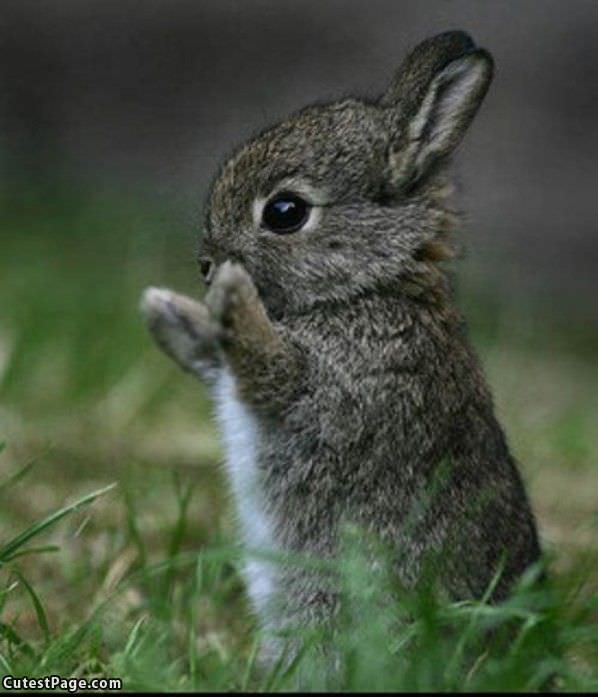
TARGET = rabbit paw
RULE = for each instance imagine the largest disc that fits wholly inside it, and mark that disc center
(181, 326)
(232, 291)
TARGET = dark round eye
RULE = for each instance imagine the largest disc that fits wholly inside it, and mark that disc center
(285, 213)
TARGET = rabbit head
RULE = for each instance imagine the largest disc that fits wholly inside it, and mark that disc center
(349, 198)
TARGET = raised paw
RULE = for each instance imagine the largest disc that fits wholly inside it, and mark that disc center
(181, 326)
(232, 290)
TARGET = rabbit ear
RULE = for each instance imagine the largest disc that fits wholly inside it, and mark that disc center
(432, 101)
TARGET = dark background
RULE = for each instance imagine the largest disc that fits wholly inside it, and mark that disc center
(149, 95)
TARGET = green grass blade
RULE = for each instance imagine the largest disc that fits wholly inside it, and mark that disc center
(5, 666)
(183, 495)
(249, 668)
(37, 606)
(17, 476)
(34, 550)
(276, 673)
(133, 640)
(14, 640)
(8, 550)
(133, 528)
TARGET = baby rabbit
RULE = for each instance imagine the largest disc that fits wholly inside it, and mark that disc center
(343, 378)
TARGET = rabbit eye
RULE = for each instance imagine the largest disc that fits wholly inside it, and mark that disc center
(285, 213)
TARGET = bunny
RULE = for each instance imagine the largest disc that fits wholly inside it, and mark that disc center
(340, 368)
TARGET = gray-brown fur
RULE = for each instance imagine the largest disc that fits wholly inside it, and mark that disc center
(344, 343)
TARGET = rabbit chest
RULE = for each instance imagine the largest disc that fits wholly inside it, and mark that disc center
(241, 436)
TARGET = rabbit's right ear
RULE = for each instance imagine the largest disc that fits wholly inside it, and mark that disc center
(431, 102)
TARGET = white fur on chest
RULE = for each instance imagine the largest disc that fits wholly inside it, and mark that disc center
(241, 440)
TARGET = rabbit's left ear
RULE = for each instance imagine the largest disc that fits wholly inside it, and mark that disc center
(432, 101)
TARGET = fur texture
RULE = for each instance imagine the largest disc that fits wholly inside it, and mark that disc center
(343, 375)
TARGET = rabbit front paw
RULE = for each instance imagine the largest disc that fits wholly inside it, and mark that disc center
(182, 327)
(231, 294)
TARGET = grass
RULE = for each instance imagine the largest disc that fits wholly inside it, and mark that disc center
(142, 582)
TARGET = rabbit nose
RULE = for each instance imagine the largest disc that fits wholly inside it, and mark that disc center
(207, 268)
